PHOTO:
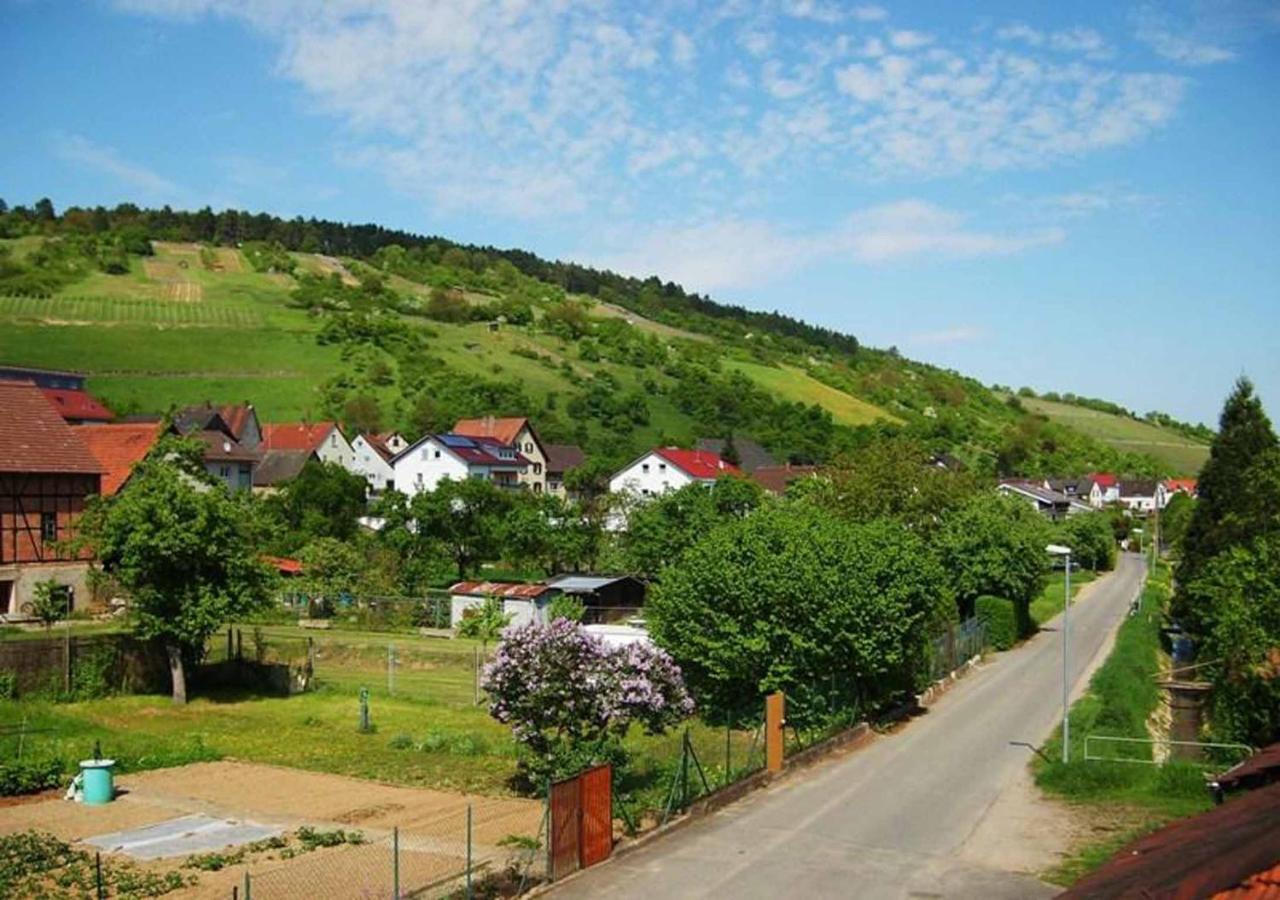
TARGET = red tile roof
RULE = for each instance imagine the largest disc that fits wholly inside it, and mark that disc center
(776, 478)
(284, 565)
(295, 435)
(697, 463)
(379, 445)
(499, 589)
(1262, 886)
(77, 405)
(219, 447)
(117, 448)
(1104, 479)
(237, 417)
(1217, 851)
(502, 430)
(1181, 484)
(34, 438)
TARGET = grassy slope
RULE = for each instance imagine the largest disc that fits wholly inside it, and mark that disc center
(1184, 455)
(795, 385)
(1121, 800)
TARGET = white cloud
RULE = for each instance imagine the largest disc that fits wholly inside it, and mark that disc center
(746, 253)
(960, 334)
(81, 151)
(910, 40)
(1184, 49)
(544, 109)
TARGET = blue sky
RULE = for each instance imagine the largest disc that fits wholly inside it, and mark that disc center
(1077, 196)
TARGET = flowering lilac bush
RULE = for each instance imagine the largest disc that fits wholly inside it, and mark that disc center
(570, 699)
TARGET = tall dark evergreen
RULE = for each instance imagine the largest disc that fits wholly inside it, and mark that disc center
(1230, 512)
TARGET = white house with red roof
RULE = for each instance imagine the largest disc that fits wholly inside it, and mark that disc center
(666, 469)
(1108, 486)
(434, 457)
(324, 439)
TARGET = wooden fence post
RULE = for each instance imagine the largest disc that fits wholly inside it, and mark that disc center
(774, 720)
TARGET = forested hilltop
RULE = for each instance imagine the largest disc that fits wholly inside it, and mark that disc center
(383, 328)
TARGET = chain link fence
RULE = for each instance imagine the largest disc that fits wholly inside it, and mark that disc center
(486, 847)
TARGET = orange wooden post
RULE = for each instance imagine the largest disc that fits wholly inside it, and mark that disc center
(774, 712)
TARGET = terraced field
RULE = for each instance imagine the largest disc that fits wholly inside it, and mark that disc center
(797, 386)
(1182, 454)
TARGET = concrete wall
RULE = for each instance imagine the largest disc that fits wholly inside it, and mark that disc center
(22, 579)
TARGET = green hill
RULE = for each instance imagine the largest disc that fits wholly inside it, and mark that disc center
(388, 329)
(1180, 454)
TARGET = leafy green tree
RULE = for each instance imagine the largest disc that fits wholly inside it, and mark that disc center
(464, 518)
(994, 544)
(1174, 520)
(1091, 539)
(1238, 596)
(49, 604)
(184, 552)
(891, 480)
(549, 533)
(1227, 481)
(325, 500)
(566, 606)
(790, 598)
(330, 569)
(659, 530)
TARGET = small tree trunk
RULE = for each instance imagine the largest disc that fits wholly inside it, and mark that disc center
(178, 673)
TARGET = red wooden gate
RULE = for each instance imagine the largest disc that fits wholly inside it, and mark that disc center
(581, 821)
(566, 811)
(596, 841)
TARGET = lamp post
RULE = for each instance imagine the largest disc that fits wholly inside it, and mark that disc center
(1065, 552)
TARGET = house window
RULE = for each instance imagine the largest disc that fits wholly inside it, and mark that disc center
(537, 487)
(537, 468)
(49, 526)
(644, 467)
(333, 440)
(224, 472)
(662, 467)
(437, 454)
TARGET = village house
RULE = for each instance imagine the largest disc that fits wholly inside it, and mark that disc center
(1108, 486)
(324, 439)
(65, 390)
(1179, 486)
(1140, 496)
(373, 461)
(666, 469)
(1049, 503)
(393, 441)
(278, 467)
(118, 447)
(561, 460)
(46, 473)
(776, 479)
(1082, 488)
(224, 457)
(434, 457)
(515, 433)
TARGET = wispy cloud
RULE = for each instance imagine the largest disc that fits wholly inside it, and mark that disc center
(82, 152)
(737, 253)
(1206, 33)
(553, 109)
(960, 334)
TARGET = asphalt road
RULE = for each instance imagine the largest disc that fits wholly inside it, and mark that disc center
(888, 820)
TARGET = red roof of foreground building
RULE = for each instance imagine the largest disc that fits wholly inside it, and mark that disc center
(35, 439)
(1104, 479)
(502, 430)
(499, 589)
(1228, 852)
(77, 405)
(118, 448)
(295, 435)
(284, 565)
(1188, 485)
(697, 463)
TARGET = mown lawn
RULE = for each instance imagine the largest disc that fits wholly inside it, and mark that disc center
(429, 731)
(1122, 800)
(1049, 603)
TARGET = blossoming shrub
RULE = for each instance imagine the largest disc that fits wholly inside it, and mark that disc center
(570, 699)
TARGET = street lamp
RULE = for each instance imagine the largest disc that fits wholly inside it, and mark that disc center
(1065, 552)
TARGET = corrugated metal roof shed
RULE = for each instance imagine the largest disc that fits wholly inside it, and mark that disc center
(584, 584)
(500, 589)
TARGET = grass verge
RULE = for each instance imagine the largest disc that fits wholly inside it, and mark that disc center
(1049, 603)
(1119, 800)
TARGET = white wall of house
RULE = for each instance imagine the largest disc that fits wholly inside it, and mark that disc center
(424, 465)
(335, 448)
(1139, 503)
(522, 610)
(1095, 498)
(649, 476)
(535, 476)
(370, 463)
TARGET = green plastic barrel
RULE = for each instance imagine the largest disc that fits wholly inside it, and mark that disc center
(97, 784)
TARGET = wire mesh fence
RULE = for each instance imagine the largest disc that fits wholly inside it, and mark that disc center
(486, 845)
(955, 646)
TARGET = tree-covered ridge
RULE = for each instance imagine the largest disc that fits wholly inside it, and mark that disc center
(613, 364)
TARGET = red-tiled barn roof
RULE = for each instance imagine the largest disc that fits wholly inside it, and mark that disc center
(502, 430)
(295, 435)
(34, 438)
(77, 405)
(117, 448)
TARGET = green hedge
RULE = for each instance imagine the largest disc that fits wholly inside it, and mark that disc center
(1001, 619)
(30, 777)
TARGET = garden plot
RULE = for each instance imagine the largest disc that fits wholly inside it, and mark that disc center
(182, 836)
